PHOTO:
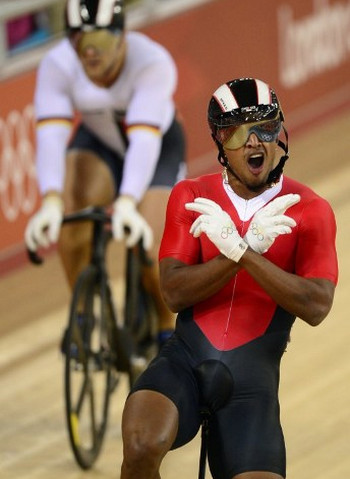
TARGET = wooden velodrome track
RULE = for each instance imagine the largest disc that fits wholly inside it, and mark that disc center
(315, 391)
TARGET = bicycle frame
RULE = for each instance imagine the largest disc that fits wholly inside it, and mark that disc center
(97, 344)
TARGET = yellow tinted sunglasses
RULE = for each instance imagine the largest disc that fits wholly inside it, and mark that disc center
(237, 136)
(101, 40)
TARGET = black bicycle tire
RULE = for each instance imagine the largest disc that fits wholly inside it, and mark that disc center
(87, 284)
(137, 320)
(132, 290)
(140, 318)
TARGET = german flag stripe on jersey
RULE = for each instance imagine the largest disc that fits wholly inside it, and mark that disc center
(54, 121)
(140, 126)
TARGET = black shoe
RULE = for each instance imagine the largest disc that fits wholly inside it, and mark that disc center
(86, 331)
(65, 345)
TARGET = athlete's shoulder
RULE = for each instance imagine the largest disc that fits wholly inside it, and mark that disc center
(62, 55)
(310, 201)
(203, 185)
(145, 50)
(291, 185)
(141, 40)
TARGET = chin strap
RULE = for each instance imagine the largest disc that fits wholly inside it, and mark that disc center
(276, 173)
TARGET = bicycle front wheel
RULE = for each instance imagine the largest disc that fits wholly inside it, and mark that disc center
(88, 368)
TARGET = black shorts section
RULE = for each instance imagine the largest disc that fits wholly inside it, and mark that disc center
(171, 164)
(245, 434)
(281, 321)
(171, 373)
(84, 139)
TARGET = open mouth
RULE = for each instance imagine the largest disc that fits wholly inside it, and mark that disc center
(92, 64)
(256, 163)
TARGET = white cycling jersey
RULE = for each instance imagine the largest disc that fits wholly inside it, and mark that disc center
(139, 104)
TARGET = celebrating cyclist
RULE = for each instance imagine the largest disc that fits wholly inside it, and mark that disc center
(107, 132)
(243, 254)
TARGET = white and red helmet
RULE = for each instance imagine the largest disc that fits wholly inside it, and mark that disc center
(246, 101)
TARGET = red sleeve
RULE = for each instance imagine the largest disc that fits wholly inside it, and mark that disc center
(316, 251)
(177, 241)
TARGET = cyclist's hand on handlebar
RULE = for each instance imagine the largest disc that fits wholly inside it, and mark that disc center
(270, 222)
(218, 226)
(125, 215)
(44, 226)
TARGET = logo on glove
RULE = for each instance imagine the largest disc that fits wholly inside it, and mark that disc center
(226, 231)
(255, 230)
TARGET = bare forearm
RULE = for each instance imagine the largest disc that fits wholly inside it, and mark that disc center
(183, 286)
(308, 299)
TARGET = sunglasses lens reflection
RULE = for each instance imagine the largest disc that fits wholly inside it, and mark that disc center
(266, 131)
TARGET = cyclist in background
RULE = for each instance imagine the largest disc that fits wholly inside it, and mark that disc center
(128, 148)
(238, 271)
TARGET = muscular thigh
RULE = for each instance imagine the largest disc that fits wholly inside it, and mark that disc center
(88, 180)
(246, 436)
(171, 375)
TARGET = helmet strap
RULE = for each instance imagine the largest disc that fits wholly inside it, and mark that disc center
(223, 158)
(276, 173)
(221, 155)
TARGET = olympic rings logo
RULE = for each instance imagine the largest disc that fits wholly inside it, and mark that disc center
(226, 231)
(18, 184)
(256, 231)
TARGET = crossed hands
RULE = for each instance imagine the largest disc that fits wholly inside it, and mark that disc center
(266, 225)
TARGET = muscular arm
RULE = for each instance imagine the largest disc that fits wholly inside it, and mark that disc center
(183, 285)
(309, 299)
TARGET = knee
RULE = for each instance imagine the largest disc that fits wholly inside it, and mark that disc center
(144, 453)
(77, 198)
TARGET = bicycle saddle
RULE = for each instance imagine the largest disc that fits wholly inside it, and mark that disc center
(215, 384)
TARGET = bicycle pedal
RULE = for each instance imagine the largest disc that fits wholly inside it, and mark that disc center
(76, 365)
(138, 361)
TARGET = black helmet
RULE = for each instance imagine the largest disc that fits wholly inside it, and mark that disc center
(244, 100)
(240, 101)
(88, 15)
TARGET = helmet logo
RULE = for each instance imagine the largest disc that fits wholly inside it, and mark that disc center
(223, 95)
(249, 108)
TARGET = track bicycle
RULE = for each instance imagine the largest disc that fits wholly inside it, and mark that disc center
(98, 347)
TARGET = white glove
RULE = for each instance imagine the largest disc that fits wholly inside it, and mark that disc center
(270, 222)
(44, 227)
(125, 215)
(219, 228)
